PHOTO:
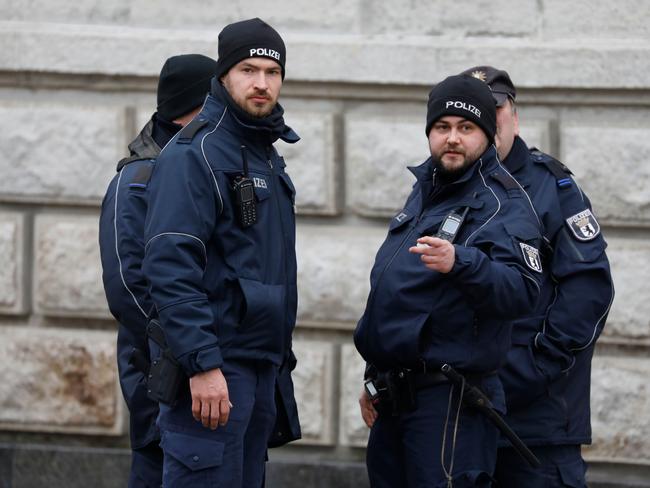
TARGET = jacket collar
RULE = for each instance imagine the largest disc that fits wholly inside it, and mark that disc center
(142, 147)
(487, 161)
(518, 156)
(219, 106)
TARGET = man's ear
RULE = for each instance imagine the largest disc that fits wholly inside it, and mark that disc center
(515, 121)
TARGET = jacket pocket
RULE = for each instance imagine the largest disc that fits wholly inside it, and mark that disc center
(263, 315)
(263, 304)
(399, 221)
(261, 185)
(288, 184)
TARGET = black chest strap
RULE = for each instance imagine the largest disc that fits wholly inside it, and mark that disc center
(513, 190)
(188, 132)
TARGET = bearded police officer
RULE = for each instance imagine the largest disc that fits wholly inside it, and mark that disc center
(220, 258)
(547, 375)
(182, 86)
(459, 264)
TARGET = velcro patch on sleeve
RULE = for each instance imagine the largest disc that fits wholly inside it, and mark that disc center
(584, 225)
(531, 257)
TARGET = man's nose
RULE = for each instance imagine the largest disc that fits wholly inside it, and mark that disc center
(453, 136)
(260, 82)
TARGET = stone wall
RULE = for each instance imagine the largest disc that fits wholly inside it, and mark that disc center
(77, 80)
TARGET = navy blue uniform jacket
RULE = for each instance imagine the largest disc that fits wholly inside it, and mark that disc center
(222, 291)
(121, 246)
(548, 374)
(463, 317)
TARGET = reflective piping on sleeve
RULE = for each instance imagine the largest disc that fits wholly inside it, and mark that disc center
(117, 252)
(496, 198)
(525, 275)
(602, 317)
(205, 253)
(593, 335)
(214, 178)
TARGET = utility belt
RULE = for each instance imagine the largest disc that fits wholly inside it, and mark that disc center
(164, 375)
(395, 390)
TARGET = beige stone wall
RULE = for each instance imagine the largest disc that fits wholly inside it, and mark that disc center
(78, 78)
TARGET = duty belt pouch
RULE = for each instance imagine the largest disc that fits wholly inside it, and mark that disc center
(397, 391)
(404, 381)
(165, 373)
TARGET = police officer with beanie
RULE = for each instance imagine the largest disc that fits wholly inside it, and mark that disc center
(459, 264)
(220, 259)
(183, 85)
(548, 372)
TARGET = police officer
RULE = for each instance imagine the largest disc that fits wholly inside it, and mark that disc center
(459, 264)
(183, 85)
(220, 258)
(547, 375)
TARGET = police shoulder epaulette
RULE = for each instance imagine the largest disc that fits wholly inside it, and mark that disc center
(133, 159)
(507, 181)
(188, 132)
(557, 168)
(142, 176)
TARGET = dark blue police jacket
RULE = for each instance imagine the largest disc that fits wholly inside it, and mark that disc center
(463, 318)
(121, 246)
(222, 291)
(548, 374)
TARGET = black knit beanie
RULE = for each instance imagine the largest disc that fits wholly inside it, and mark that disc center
(251, 38)
(183, 84)
(465, 97)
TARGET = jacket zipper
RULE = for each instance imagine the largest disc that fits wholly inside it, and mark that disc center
(284, 243)
(371, 298)
(413, 226)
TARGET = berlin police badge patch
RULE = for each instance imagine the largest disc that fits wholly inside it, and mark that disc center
(531, 257)
(584, 226)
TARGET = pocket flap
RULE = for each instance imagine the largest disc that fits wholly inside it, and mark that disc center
(522, 232)
(470, 479)
(194, 452)
(573, 474)
(399, 220)
(288, 183)
(263, 303)
(261, 186)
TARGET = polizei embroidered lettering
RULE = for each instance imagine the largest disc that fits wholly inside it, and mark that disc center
(263, 51)
(465, 106)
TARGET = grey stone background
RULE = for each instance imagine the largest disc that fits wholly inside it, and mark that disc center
(77, 80)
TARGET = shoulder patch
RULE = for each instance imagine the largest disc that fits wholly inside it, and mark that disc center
(531, 257)
(188, 132)
(584, 225)
(507, 181)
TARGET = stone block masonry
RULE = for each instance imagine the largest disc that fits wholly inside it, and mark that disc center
(77, 82)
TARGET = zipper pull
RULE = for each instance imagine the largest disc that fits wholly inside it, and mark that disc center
(268, 158)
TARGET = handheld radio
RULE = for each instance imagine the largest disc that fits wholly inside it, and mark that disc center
(244, 193)
(451, 225)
